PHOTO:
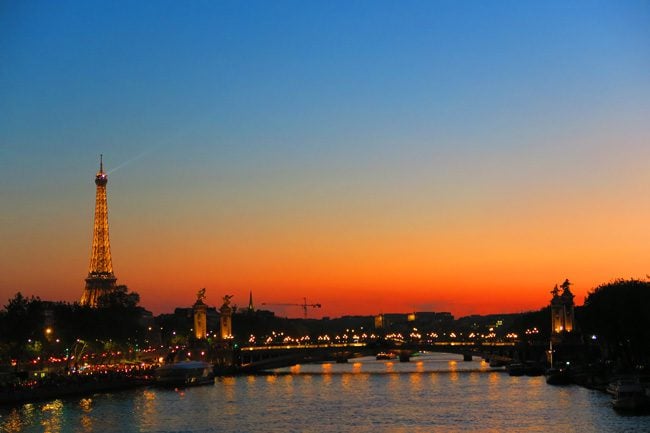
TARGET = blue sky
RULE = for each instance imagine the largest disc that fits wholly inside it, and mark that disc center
(263, 116)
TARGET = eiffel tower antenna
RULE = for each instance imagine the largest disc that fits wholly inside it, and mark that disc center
(100, 278)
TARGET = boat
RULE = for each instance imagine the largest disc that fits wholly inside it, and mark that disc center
(621, 383)
(524, 368)
(497, 363)
(629, 396)
(533, 369)
(385, 356)
(558, 376)
(516, 369)
(185, 373)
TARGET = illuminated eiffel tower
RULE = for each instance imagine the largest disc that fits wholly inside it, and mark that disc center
(100, 278)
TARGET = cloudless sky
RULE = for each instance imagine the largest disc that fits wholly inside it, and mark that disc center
(372, 156)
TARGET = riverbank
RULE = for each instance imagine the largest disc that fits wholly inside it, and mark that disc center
(71, 385)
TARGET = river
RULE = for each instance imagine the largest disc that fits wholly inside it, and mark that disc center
(432, 393)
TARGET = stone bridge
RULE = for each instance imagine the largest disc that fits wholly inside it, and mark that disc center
(251, 359)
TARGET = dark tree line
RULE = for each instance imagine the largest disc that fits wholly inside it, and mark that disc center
(618, 314)
(31, 327)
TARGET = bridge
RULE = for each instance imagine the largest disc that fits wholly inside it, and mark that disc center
(250, 359)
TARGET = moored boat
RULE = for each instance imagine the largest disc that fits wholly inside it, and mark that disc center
(185, 373)
(516, 369)
(558, 376)
(629, 396)
(622, 383)
(385, 356)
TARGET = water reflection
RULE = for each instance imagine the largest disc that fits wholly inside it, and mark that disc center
(12, 423)
(288, 385)
(86, 419)
(415, 380)
(394, 382)
(229, 390)
(453, 368)
(51, 416)
(148, 407)
(346, 381)
(494, 378)
(431, 394)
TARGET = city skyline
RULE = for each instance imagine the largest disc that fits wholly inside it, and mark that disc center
(372, 158)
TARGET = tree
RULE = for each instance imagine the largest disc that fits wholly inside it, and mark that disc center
(118, 316)
(20, 321)
(618, 314)
(119, 298)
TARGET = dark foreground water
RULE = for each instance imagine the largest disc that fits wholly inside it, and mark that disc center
(432, 393)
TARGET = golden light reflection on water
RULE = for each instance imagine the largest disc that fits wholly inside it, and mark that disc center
(394, 382)
(346, 381)
(51, 414)
(405, 400)
(288, 389)
(86, 405)
(415, 380)
(453, 369)
(149, 414)
(229, 389)
(534, 389)
(12, 423)
(86, 423)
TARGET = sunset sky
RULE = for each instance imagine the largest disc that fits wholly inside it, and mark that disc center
(371, 156)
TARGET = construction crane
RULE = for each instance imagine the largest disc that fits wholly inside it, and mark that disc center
(304, 305)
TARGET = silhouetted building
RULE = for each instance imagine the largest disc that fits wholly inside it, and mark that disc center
(200, 317)
(562, 309)
(226, 319)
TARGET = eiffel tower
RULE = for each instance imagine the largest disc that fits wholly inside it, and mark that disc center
(100, 278)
